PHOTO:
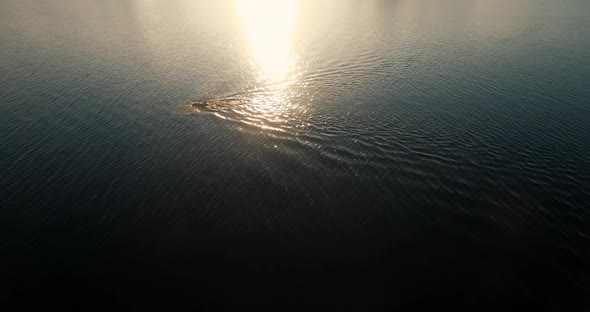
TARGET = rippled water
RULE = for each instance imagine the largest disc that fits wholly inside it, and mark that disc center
(401, 153)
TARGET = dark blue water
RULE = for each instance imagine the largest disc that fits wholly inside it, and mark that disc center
(398, 154)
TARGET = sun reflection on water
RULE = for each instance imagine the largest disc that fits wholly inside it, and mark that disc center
(269, 26)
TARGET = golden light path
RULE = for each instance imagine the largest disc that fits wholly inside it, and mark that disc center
(269, 27)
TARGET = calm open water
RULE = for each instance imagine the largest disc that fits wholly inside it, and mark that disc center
(410, 154)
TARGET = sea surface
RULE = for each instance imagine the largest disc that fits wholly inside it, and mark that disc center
(392, 154)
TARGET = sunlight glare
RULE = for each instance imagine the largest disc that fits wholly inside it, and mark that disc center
(269, 26)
